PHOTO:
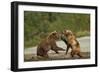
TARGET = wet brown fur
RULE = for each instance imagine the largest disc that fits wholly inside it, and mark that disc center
(72, 43)
(49, 43)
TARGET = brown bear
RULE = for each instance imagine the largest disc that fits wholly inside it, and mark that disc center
(49, 43)
(72, 43)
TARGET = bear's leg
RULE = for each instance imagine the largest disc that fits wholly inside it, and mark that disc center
(54, 48)
(72, 53)
(45, 53)
(68, 46)
(80, 55)
(46, 56)
(40, 52)
(56, 51)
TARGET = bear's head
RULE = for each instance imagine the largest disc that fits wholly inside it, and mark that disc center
(53, 35)
(67, 33)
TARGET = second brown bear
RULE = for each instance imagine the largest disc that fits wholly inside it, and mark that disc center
(72, 43)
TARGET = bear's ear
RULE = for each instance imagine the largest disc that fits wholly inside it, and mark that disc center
(55, 32)
(52, 34)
